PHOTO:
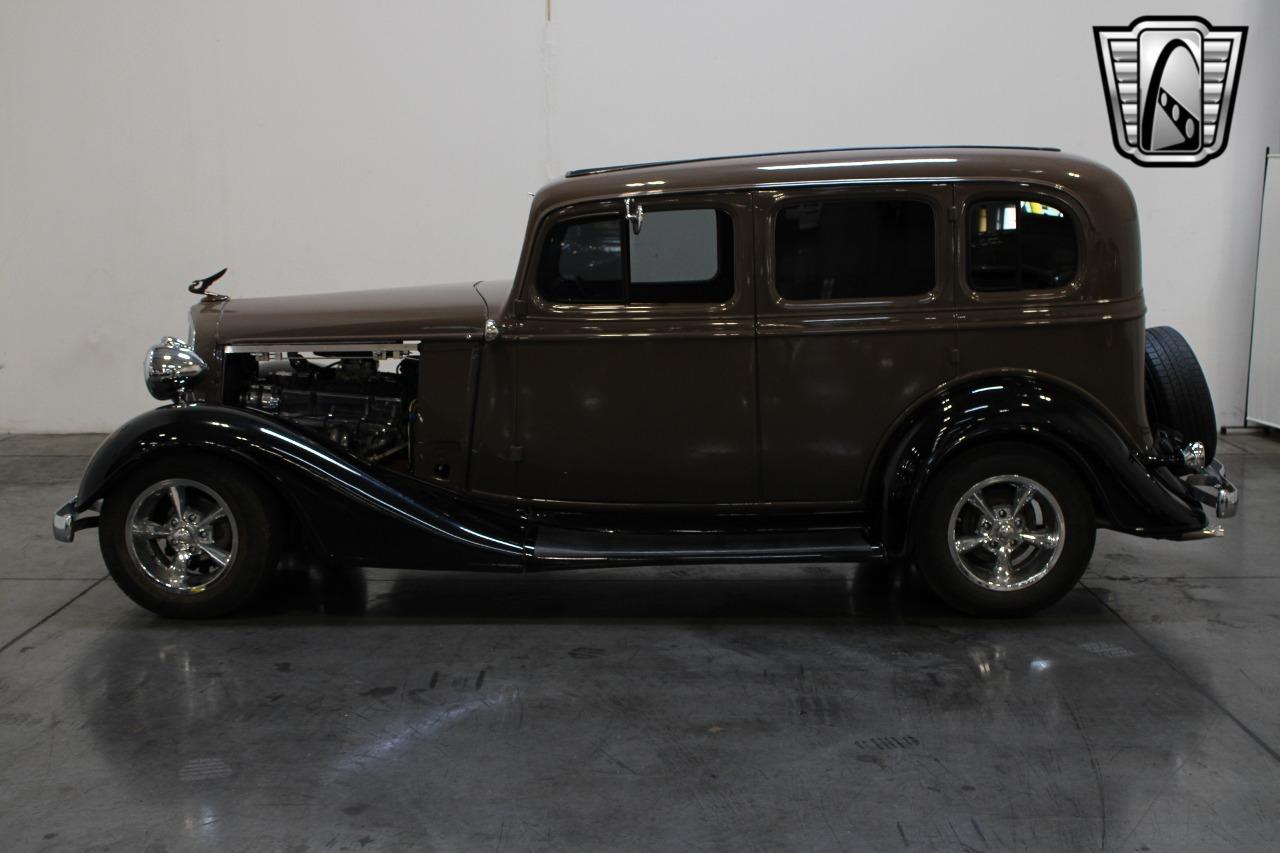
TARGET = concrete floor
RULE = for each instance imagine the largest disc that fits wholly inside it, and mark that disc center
(778, 708)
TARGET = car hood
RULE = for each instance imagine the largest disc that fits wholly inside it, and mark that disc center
(431, 311)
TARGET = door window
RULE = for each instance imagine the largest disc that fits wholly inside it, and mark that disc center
(1020, 245)
(854, 249)
(582, 261)
(678, 256)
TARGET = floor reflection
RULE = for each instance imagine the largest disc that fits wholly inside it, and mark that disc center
(559, 690)
(864, 592)
(734, 707)
(735, 592)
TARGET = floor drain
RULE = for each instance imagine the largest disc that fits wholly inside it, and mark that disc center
(203, 769)
(887, 742)
(1106, 650)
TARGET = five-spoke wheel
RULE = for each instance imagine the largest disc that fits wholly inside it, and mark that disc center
(1004, 531)
(1007, 532)
(190, 535)
(182, 535)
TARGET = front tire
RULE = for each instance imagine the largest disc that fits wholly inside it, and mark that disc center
(1004, 531)
(190, 536)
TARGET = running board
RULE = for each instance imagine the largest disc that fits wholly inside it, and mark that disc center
(561, 545)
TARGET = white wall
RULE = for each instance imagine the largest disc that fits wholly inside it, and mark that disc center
(327, 145)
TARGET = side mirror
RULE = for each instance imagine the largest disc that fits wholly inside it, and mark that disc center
(635, 215)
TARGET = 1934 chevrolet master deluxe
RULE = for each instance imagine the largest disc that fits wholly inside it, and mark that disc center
(934, 354)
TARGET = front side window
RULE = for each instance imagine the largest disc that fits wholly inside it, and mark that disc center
(678, 256)
(854, 249)
(1020, 245)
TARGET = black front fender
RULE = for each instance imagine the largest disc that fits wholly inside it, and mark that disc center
(352, 511)
(1032, 410)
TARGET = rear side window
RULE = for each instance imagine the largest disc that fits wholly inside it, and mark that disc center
(1020, 245)
(678, 256)
(854, 249)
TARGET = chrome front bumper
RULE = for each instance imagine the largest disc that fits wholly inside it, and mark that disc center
(66, 521)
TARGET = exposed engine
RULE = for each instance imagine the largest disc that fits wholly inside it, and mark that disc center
(350, 400)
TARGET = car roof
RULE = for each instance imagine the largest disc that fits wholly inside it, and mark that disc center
(1086, 179)
(809, 153)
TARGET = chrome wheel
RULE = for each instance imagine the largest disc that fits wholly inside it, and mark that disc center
(181, 535)
(1006, 533)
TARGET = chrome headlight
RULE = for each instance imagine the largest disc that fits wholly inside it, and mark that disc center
(171, 367)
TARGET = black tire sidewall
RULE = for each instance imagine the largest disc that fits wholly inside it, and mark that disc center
(932, 546)
(257, 523)
(1177, 392)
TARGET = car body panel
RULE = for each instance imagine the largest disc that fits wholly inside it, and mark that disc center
(1097, 187)
(447, 378)
(660, 398)
(835, 374)
(755, 415)
(1088, 334)
(1034, 411)
(404, 313)
(352, 511)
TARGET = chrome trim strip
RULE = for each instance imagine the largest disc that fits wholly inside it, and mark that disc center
(1207, 533)
(1030, 181)
(847, 182)
(324, 346)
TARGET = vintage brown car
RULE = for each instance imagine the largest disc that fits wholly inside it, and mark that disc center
(928, 354)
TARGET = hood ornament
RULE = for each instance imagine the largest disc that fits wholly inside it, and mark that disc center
(201, 285)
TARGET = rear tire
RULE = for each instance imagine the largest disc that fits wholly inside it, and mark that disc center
(1019, 547)
(1177, 394)
(190, 536)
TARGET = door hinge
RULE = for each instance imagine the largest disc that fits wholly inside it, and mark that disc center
(519, 307)
(516, 453)
(955, 355)
(953, 213)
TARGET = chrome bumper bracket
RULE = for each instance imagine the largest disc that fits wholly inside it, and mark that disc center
(66, 521)
(1212, 488)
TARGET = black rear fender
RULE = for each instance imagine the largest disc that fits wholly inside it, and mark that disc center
(1032, 411)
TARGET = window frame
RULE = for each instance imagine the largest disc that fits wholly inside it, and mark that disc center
(1018, 193)
(722, 202)
(925, 193)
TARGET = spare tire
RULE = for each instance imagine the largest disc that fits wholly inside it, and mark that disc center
(1177, 395)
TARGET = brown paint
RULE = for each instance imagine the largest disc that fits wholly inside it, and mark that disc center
(408, 313)
(757, 402)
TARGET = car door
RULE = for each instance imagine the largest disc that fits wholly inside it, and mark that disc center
(1026, 300)
(635, 354)
(855, 327)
